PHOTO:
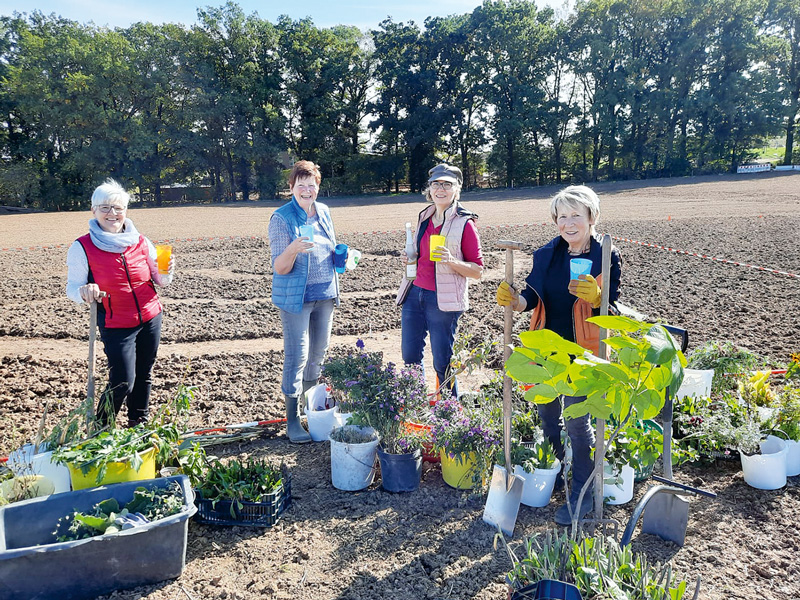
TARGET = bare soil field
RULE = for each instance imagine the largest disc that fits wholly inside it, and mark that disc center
(222, 334)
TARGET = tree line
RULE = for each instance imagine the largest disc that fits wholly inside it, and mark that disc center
(513, 94)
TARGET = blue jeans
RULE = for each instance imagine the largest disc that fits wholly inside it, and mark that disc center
(306, 336)
(581, 436)
(131, 352)
(421, 315)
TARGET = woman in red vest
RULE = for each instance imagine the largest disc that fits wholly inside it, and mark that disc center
(114, 258)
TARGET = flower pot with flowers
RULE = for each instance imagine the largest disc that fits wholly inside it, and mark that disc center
(537, 464)
(385, 398)
(467, 438)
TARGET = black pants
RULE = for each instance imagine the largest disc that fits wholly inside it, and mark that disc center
(131, 353)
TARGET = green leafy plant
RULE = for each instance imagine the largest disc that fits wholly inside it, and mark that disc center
(116, 445)
(542, 456)
(524, 425)
(351, 435)
(645, 363)
(788, 415)
(727, 360)
(240, 481)
(598, 566)
(152, 503)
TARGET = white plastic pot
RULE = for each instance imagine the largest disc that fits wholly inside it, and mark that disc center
(620, 493)
(538, 485)
(766, 471)
(792, 458)
(353, 465)
(696, 383)
(25, 462)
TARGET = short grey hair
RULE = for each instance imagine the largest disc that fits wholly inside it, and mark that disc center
(456, 195)
(110, 192)
(576, 196)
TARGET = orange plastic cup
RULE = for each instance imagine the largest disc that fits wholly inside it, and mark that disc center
(436, 241)
(163, 254)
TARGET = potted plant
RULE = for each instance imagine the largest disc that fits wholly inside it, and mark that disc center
(788, 421)
(467, 439)
(250, 492)
(557, 565)
(353, 453)
(645, 362)
(37, 458)
(540, 468)
(618, 474)
(385, 398)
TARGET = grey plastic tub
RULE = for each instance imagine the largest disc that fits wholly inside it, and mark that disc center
(34, 566)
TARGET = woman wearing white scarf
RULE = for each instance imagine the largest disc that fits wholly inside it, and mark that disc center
(114, 258)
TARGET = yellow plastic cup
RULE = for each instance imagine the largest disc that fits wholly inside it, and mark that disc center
(436, 241)
(163, 254)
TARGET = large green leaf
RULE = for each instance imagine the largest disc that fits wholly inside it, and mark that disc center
(618, 323)
(541, 394)
(544, 340)
(522, 368)
(662, 346)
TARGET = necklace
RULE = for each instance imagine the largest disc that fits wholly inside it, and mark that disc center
(579, 252)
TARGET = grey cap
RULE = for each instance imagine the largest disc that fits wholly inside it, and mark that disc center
(445, 172)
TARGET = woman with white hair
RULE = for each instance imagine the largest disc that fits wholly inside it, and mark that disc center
(562, 304)
(116, 259)
(433, 302)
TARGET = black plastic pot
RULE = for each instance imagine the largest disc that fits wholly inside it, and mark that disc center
(400, 472)
(548, 589)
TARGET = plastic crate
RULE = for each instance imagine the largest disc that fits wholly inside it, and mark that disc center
(34, 566)
(250, 514)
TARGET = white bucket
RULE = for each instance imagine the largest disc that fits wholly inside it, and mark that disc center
(342, 417)
(353, 465)
(620, 493)
(792, 458)
(321, 423)
(538, 485)
(696, 383)
(766, 471)
(24, 462)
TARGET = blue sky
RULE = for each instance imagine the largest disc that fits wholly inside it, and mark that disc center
(365, 14)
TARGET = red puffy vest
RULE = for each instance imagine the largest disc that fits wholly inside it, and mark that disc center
(132, 298)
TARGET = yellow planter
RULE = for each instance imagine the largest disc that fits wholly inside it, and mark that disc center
(116, 472)
(458, 474)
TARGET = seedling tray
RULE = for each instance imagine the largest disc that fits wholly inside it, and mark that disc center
(250, 514)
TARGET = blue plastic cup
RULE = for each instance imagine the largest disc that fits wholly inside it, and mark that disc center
(579, 266)
(340, 257)
(307, 231)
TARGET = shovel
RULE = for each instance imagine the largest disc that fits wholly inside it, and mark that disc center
(505, 489)
(90, 384)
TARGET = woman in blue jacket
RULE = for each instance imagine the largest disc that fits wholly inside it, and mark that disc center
(305, 287)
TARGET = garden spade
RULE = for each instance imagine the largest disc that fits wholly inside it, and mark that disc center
(90, 383)
(505, 489)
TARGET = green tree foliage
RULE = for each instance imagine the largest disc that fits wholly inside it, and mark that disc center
(512, 94)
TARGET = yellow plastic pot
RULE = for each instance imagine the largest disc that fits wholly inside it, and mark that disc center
(116, 472)
(457, 472)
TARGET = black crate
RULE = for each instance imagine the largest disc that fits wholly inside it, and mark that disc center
(251, 514)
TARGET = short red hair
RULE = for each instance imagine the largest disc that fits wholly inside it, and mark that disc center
(302, 169)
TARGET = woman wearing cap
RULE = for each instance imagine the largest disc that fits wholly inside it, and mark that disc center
(435, 299)
(305, 287)
(116, 259)
(562, 304)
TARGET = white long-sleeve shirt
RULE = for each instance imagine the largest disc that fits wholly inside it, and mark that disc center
(78, 269)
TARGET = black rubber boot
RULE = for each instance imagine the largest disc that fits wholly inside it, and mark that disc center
(294, 429)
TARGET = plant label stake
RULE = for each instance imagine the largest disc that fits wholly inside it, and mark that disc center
(505, 489)
(90, 384)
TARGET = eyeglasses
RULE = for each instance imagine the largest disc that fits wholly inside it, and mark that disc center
(442, 185)
(107, 208)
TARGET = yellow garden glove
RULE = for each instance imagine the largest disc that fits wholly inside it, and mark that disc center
(586, 288)
(506, 295)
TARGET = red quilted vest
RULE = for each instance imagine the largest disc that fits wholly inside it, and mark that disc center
(132, 298)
